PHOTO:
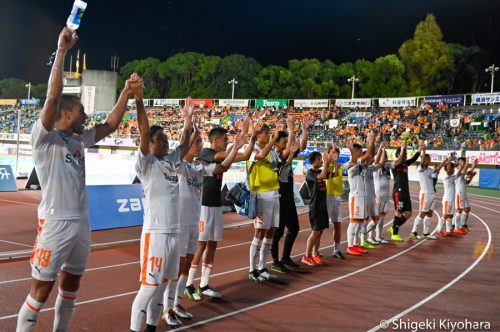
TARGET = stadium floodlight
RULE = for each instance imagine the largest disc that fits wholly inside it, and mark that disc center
(353, 80)
(492, 69)
(233, 82)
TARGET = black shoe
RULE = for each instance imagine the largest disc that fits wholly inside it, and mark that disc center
(288, 262)
(338, 254)
(467, 228)
(279, 267)
(150, 328)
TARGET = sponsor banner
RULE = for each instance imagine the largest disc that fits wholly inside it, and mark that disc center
(7, 179)
(233, 102)
(165, 102)
(486, 98)
(397, 102)
(308, 151)
(360, 114)
(448, 100)
(147, 103)
(30, 102)
(276, 103)
(115, 206)
(203, 102)
(300, 103)
(72, 90)
(437, 156)
(88, 99)
(8, 102)
(13, 137)
(110, 141)
(353, 102)
(454, 122)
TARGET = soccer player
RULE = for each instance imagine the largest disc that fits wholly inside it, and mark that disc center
(426, 178)
(263, 180)
(448, 201)
(334, 192)
(288, 210)
(381, 178)
(462, 203)
(357, 194)
(156, 169)
(210, 225)
(401, 191)
(59, 138)
(191, 173)
(318, 214)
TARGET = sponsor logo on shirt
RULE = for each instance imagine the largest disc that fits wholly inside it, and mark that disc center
(172, 178)
(76, 158)
(194, 182)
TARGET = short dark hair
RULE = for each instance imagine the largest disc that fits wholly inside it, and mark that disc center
(282, 134)
(357, 146)
(313, 156)
(153, 130)
(66, 101)
(462, 159)
(216, 133)
(265, 127)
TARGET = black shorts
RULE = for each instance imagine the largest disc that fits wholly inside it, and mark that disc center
(402, 201)
(319, 219)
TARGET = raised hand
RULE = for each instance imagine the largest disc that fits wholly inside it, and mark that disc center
(245, 125)
(294, 148)
(290, 122)
(135, 86)
(349, 144)
(256, 128)
(326, 158)
(383, 145)
(239, 141)
(188, 109)
(403, 144)
(67, 39)
(370, 138)
(306, 121)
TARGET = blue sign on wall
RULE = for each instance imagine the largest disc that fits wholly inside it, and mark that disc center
(115, 206)
(7, 179)
(489, 178)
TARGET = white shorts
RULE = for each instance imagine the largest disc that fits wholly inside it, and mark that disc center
(211, 225)
(188, 240)
(334, 207)
(427, 202)
(159, 258)
(383, 204)
(60, 244)
(372, 206)
(357, 207)
(461, 201)
(448, 206)
(268, 210)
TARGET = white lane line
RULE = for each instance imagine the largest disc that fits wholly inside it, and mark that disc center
(17, 243)
(18, 202)
(442, 289)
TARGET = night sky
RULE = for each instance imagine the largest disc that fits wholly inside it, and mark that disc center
(271, 31)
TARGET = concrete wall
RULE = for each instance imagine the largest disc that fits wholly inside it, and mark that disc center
(105, 89)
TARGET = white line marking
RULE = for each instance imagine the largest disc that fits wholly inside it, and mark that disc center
(445, 287)
(18, 202)
(17, 243)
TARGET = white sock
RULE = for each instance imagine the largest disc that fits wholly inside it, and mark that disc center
(179, 291)
(155, 306)
(465, 217)
(448, 225)
(357, 229)
(206, 269)
(64, 309)
(441, 222)
(336, 246)
(371, 225)
(140, 305)
(416, 224)
(264, 252)
(169, 295)
(254, 252)
(351, 233)
(192, 274)
(427, 225)
(28, 314)
(378, 229)
(458, 221)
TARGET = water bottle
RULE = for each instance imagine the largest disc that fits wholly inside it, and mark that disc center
(75, 17)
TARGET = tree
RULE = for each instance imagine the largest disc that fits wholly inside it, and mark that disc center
(427, 59)
(469, 63)
(148, 70)
(244, 70)
(386, 78)
(13, 88)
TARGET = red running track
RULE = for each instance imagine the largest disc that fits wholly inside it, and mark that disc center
(449, 278)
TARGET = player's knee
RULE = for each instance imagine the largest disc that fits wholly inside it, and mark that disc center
(467, 209)
(40, 290)
(69, 282)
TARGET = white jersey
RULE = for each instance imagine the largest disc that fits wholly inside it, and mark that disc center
(191, 188)
(381, 178)
(425, 179)
(449, 187)
(161, 190)
(60, 166)
(369, 182)
(356, 176)
(460, 185)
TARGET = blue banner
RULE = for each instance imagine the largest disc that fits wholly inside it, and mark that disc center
(115, 206)
(489, 178)
(448, 100)
(33, 101)
(7, 179)
(308, 151)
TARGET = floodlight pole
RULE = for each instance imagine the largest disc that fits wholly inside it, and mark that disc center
(233, 82)
(353, 80)
(492, 69)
